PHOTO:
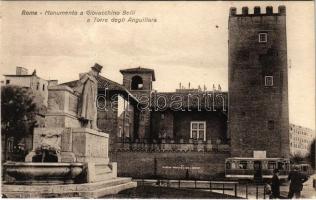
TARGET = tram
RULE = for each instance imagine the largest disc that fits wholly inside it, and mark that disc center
(304, 168)
(248, 168)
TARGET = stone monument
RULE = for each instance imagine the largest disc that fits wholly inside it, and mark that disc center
(70, 155)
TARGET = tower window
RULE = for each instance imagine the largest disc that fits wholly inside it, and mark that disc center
(37, 86)
(268, 81)
(43, 87)
(7, 82)
(270, 124)
(263, 37)
(137, 83)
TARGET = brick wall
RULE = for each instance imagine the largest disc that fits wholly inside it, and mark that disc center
(107, 119)
(176, 125)
(171, 165)
(215, 124)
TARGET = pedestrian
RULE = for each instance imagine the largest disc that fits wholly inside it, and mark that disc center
(296, 186)
(275, 185)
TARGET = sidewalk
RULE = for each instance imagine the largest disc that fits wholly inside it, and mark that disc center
(308, 190)
(249, 192)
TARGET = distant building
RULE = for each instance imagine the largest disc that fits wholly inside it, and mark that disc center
(300, 139)
(38, 85)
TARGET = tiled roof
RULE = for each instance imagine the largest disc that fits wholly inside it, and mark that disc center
(105, 83)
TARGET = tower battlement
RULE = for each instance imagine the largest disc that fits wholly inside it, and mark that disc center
(257, 11)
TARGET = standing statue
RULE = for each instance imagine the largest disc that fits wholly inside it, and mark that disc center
(87, 107)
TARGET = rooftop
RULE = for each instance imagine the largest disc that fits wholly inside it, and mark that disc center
(139, 70)
(105, 83)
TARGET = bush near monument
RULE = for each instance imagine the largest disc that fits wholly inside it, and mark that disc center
(19, 111)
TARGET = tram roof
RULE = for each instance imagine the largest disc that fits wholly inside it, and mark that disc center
(251, 158)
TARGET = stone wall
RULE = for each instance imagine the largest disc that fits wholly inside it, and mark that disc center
(62, 107)
(162, 124)
(171, 165)
(107, 119)
(176, 125)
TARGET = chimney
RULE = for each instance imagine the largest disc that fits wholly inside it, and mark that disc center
(21, 71)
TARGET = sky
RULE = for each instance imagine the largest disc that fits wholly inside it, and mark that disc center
(188, 43)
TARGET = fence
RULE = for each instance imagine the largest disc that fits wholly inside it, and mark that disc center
(172, 146)
(232, 188)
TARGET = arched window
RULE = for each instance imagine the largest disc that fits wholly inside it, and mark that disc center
(137, 83)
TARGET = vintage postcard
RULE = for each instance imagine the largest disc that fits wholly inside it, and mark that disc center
(158, 99)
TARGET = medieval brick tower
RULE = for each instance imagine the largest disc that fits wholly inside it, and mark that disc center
(258, 83)
(139, 82)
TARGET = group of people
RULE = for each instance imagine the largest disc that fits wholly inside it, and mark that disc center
(296, 179)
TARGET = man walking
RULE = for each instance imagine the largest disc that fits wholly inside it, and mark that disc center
(297, 179)
(275, 185)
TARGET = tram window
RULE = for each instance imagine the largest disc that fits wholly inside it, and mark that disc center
(280, 165)
(228, 165)
(243, 165)
(233, 165)
(271, 165)
(304, 168)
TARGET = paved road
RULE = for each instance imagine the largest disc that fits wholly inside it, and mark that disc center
(308, 191)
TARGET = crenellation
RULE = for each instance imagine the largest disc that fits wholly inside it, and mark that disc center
(257, 11)
(282, 10)
(244, 10)
(233, 11)
(269, 10)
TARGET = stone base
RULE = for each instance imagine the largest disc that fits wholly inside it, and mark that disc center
(86, 190)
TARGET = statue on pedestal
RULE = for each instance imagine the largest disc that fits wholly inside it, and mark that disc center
(87, 107)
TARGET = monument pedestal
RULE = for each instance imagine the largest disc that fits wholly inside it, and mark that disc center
(71, 159)
(85, 190)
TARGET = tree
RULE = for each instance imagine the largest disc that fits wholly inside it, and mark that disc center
(297, 158)
(18, 112)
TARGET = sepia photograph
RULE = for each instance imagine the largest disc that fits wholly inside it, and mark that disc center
(158, 99)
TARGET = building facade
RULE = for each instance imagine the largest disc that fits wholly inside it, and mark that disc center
(38, 85)
(189, 133)
(301, 139)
